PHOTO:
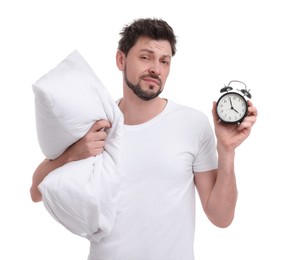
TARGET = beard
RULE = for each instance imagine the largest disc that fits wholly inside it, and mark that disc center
(141, 93)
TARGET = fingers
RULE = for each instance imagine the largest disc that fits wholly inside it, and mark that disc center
(100, 135)
(100, 125)
(91, 144)
(252, 111)
(97, 148)
(96, 136)
(214, 113)
(248, 122)
(250, 119)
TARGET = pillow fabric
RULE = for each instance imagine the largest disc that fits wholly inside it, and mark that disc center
(68, 100)
(81, 195)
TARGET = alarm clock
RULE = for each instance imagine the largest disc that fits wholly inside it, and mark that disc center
(232, 106)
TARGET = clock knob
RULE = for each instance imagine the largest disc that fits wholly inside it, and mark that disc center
(246, 93)
(226, 88)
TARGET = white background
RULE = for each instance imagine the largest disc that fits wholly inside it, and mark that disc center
(218, 41)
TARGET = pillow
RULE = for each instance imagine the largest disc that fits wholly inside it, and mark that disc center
(81, 195)
(68, 102)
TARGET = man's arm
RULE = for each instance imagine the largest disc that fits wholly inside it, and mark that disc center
(91, 144)
(218, 192)
(217, 189)
(40, 173)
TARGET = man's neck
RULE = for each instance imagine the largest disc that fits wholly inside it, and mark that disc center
(137, 111)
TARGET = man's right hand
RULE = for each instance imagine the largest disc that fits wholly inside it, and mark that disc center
(91, 144)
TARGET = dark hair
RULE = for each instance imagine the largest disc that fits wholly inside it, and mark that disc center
(156, 29)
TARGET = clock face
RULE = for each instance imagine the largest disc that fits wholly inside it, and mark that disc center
(232, 108)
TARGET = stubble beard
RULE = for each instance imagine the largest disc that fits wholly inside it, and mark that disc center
(141, 93)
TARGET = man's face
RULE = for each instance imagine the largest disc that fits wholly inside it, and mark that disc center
(147, 66)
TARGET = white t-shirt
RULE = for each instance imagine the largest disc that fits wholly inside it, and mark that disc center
(156, 214)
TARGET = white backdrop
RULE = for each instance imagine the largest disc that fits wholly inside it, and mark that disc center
(218, 41)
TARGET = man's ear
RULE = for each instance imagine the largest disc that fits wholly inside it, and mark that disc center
(120, 60)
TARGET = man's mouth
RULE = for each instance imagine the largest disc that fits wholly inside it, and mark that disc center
(152, 80)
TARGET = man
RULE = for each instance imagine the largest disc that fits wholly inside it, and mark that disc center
(169, 149)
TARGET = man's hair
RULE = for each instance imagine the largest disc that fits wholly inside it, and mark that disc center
(156, 29)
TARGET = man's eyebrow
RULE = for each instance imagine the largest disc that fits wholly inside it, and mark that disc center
(147, 50)
(151, 52)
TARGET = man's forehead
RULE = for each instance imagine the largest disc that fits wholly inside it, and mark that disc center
(152, 45)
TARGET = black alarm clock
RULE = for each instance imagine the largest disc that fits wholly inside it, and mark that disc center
(232, 106)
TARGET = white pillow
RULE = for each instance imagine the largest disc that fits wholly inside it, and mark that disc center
(81, 195)
(67, 103)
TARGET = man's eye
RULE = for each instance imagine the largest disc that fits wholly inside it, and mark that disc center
(145, 57)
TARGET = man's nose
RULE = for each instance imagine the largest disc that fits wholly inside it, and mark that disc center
(155, 69)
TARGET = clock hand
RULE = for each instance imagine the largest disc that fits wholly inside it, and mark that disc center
(231, 103)
(232, 108)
